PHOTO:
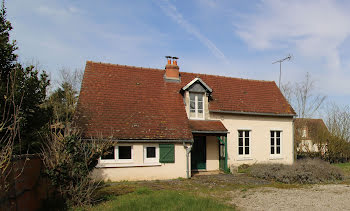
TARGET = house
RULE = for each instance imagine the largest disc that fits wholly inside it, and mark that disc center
(310, 134)
(167, 124)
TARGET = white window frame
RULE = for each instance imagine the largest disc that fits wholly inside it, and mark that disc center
(150, 160)
(116, 155)
(109, 160)
(124, 160)
(196, 105)
(275, 143)
(244, 155)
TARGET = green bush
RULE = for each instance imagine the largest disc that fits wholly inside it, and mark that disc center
(69, 160)
(306, 171)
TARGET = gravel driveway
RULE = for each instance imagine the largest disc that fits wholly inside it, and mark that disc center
(318, 197)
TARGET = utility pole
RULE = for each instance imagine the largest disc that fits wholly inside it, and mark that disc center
(280, 61)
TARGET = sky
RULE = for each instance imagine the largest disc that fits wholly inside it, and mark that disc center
(228, 37)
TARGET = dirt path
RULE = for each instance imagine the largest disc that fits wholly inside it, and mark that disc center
(318, 197)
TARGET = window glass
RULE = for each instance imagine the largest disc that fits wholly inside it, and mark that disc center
(124, 152)
(240, 141)
(109, 154)
(275, 142)
(196, 105)
(151, 152)
(243, 142)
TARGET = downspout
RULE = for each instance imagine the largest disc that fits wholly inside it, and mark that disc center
(188, 151)
(294, 147)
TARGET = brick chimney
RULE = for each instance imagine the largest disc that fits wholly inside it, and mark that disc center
(171, 69)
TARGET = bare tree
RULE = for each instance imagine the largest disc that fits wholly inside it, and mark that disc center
(338, 121)
(74, 78)
(305, 101)
(9, 130)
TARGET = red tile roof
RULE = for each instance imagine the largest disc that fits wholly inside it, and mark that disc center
(314, 127)
(207, 125)
(137, 103)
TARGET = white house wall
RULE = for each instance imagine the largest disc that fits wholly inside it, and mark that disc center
(260, 127)
(138, 170)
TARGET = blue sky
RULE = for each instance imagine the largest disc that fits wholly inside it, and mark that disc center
(228, 37)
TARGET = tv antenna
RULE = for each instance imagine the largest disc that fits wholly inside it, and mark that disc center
(289, 57)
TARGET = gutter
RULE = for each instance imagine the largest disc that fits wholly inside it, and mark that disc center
(219, 132)
(143, 140)
(253, 113)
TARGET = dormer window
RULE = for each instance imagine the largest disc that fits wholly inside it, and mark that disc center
(199, 94)
(196, 105)
(304, 134)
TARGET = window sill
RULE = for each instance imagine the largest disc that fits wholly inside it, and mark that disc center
(192, 118)
(276, 158)
(244, 158)
(125, 165)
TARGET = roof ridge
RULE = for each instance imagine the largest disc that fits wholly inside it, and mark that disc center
(221, 76)
(149, 68)
(120, 65)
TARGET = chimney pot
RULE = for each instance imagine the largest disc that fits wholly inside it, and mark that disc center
(172, 70)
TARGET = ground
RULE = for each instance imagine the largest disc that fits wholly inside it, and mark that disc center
(233, 192)
(318, 197)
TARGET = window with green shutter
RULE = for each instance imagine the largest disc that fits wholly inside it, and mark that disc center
(166, 153)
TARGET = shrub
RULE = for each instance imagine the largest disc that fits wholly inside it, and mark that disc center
(306, 171)
(69, 161)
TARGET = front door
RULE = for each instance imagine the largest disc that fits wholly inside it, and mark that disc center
(199, 153)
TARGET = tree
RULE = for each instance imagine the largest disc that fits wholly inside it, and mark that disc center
(8, 58)
(26, 87)
(64, 99)
(69, 161)
(303, 98)
(338, 121)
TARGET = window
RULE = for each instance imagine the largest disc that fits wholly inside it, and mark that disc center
(243, 142)
(124, 152)
(151, 154)
(109, 154)
(117, 154)
(276, 142)
(304, 132)
(196, 106)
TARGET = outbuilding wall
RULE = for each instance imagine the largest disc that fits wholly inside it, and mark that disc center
(139, 170)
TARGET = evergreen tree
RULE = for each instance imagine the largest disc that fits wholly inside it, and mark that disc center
(8, 57)
(23, 87)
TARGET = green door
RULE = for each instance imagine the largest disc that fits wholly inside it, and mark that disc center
(199, 153)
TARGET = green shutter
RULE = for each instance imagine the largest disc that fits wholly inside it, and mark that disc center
(166, 153)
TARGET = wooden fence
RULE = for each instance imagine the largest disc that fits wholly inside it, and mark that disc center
(27, 187)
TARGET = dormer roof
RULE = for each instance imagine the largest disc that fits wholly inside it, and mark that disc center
(195, 81)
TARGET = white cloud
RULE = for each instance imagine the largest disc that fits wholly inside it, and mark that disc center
(314, 28)
(171, 11)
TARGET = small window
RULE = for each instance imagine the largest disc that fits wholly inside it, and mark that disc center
(243, 142)
(108, 154)
(304, 134)
(151, 154)
(124, 152)
(275, 142)
(196, 105)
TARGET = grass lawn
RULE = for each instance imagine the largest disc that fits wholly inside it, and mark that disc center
(212, 192)
(345, 167)
(146, 199)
